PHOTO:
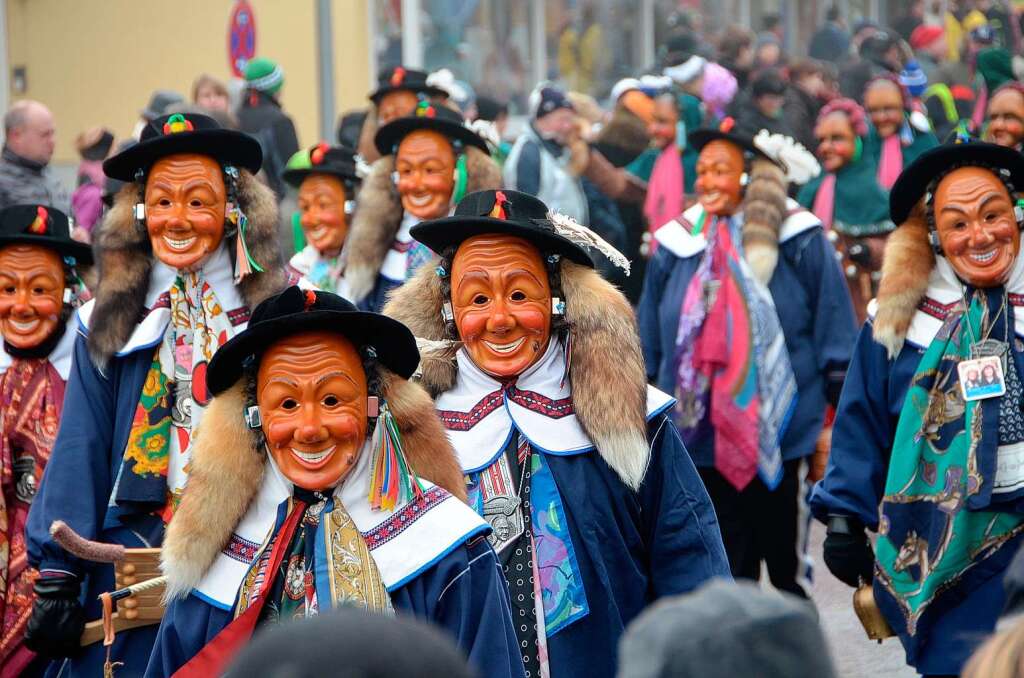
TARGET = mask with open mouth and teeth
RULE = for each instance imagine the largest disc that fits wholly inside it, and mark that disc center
(501, 299)
(321, 204)
(425, 164)
(31, 294)
(186, 201)
(719, 171)
(977, 229)
(311, 389)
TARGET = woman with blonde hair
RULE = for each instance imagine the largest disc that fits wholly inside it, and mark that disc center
(210, 93)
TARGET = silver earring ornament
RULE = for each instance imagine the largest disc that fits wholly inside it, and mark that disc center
(350, 207)
(446, 312)
(67, 295)
(394, 178)
(140, 211)
(557, 306)
(744, 179)
(253, 419)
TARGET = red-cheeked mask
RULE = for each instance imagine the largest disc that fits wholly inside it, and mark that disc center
(185, 206)
(976, 225)
(31, 294)
(501, 300)
(312, 394)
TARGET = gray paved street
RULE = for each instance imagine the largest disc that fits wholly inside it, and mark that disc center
(854, 655)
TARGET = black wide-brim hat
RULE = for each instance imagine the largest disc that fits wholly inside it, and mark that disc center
(913, 182)
(401, 79)
(501, 212)
(35, 224)
(294, 311)
(338, 161)
(185, 133)
(699, 138)
(427, 116)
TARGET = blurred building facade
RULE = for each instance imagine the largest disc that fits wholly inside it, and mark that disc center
(97, 61)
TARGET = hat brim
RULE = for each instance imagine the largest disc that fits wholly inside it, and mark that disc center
(429, 90)
(702, 137)
(295, 177)
(224, 145)
(440, 234)
(913, 182)
(66, 248)
(390, 135)
(394, 344)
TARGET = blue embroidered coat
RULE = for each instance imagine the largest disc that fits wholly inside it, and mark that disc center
(854, 482)
(462, 593)
(77, 487)
(813, 306)
(630, 547)
(81, 475)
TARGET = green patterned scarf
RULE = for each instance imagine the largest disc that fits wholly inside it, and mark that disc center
(938, 528)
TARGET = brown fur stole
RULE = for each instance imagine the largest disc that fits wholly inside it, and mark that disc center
(367, 148)
(227, 471)
(609, 383)
(906, 267)
(124, 260)
(764, 210)
(379, 216)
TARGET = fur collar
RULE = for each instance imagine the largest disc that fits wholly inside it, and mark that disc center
(379, 216)
(768, 218)
(609, 383)
(764, 210)
(907, 264)
(912, 276)
(125, 261)
(227, 472)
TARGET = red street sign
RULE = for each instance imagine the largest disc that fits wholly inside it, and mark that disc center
(241, 37)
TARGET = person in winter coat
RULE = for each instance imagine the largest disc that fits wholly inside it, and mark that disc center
(185, 253)
(28, 147)
(261, 116)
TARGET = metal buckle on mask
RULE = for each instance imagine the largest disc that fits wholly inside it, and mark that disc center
(253, 419)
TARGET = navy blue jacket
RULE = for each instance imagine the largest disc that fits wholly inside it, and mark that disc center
(632, 547)
(77, 486)
(463, 593)
(854, 483)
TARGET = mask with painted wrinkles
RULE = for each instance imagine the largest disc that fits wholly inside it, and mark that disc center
(321, 204)
(425, 163)
(501, 299)
(976, 225)
(311, 390)
(186, 201)
(31, 294)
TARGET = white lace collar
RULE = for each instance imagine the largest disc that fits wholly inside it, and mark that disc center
(217, 271)
(480, 411)
(677, 238)
(403, 543)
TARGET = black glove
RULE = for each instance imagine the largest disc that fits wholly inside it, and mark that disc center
(55, 628)
(847, 551)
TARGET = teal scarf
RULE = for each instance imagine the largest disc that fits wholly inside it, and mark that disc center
(861, 205)
(940, 535)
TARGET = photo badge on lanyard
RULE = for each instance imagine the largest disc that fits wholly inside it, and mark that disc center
(981, 378)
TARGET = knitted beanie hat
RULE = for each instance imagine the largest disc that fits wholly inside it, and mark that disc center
(264, 74)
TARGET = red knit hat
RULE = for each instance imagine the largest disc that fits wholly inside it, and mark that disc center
(925, 35)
